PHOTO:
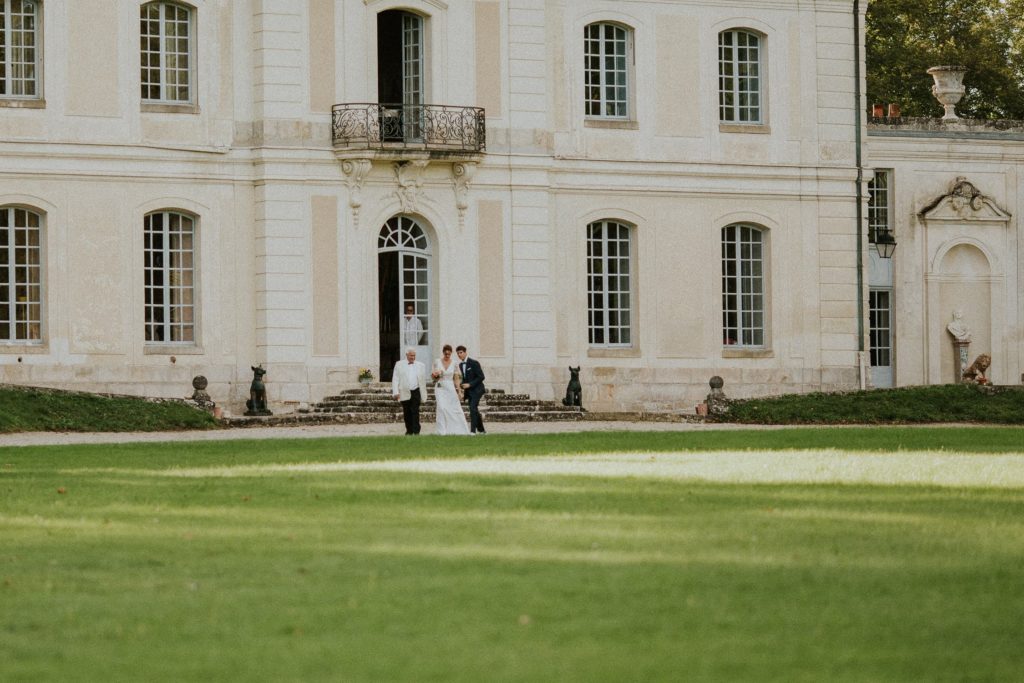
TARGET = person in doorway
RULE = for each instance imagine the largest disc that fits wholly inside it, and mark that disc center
(447, 394)
(473, 386)
(412, 328)
(408, 383)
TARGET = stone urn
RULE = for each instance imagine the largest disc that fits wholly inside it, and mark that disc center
(948, 88)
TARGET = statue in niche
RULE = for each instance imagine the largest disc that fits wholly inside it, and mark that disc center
(958, 328)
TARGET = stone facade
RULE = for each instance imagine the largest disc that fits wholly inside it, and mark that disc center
(956, 203)
(288, 265)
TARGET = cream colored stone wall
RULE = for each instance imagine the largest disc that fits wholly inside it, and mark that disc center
(971, 258)
(288, 229)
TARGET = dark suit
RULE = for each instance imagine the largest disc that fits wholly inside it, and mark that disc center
(473, 375)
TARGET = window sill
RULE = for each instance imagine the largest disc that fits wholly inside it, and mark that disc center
(603, 352)
(23, 104)
(757, 128)
(747, 353)
(171, 350)
(149, 108)
(612, 124)
(10, 349)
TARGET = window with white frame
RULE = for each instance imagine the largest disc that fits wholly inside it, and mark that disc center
(879, 198)
(743, 291)
(880, 327)
(19, 49)
(609, 278)
(607, 52)
(169, 271)
(740, 77)
(166, 53)
(21, 291)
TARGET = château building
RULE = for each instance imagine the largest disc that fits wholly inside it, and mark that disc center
(657, 191)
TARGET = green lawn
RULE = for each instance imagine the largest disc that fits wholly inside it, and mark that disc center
(112, 570)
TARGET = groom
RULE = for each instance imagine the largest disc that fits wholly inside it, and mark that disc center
(408, 384)
(473, 385)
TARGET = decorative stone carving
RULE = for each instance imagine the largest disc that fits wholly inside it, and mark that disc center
(963, 202)
(948, 88)
(958, 328)
(574, 392)
(410, 183)
(961, 341)
(462, 176)
(717, 402)
(200, 396)
(257, 403)
(355, 171)
(976, 372)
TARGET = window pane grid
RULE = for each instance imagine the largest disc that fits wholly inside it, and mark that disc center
(605, 52)
(18, 49)
(166, 49)
(609, 300)
(880, 327)
(878, 205)
(743, 301)
(21, 309)
(169, 278)
(739, 77)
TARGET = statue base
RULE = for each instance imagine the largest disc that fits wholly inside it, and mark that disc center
(960, 359)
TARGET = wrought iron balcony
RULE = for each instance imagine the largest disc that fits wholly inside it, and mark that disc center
(434, 128)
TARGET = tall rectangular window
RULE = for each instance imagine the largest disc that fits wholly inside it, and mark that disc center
(606, 70)
(169, 271)
(879, 198)
(739, 77)
(21, 295)
(880, 327)
(743, 307)
(165, 35)
(609, 274)
(19, 49)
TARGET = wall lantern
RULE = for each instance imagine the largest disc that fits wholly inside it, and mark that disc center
(884, 243)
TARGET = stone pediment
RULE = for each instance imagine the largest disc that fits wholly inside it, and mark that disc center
(964, 202)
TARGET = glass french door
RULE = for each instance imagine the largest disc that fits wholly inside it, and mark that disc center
(881, 337)
(404, 276)
(412, 75)
(400, 75)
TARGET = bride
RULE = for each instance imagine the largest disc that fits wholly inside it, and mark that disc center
(450, 418)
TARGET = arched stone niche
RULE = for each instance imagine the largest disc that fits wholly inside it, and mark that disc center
(968, 254)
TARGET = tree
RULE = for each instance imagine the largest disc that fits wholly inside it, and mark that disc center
(906, 37)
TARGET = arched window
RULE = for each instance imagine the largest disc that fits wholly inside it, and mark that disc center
(20, 39)
(609, 284)
(740, 77)
(168, 53)
(743, 294)
(607, 54)
(21, 296)
(169, 265)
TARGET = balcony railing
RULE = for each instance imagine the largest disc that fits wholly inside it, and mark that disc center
(399, 127)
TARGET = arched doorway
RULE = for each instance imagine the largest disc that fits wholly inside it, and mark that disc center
(403, 279)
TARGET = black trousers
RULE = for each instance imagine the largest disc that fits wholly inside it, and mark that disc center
(411, 413)
(476, 423)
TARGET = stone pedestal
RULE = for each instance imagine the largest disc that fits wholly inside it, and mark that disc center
(960, 363)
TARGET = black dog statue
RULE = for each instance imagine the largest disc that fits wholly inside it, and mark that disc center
(257, 403)
(574, 392)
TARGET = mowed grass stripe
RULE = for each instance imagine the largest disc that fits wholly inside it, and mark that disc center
(368, 575)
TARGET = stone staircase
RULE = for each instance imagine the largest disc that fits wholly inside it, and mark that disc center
(374, 403)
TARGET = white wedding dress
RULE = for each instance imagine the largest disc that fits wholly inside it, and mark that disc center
(450, 418)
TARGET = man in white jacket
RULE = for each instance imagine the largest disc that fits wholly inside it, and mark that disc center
(408, 385)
